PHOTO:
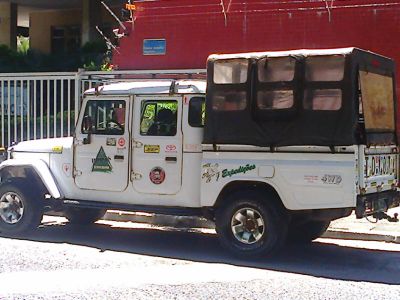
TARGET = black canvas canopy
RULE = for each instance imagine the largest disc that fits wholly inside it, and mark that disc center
(301, 97)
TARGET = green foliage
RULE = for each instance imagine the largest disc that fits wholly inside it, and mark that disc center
(92, 56)
(22, 45)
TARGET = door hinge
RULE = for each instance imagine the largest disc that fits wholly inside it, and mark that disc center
(136, 144)
(77, 173)
(135, 176)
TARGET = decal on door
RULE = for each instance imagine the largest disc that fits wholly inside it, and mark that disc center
(170, 148)
(157, 175)
(121, 142)
(210, 171)
(111, 142)
(102, 162)
(151, 148)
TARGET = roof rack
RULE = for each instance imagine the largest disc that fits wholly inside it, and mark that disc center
(122, 75)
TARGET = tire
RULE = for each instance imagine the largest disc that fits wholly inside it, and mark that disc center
(21, 207)
(83, 216)
(262, 233)
(307, 232)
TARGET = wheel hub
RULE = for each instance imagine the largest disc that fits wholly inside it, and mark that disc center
(11, 208)
(247, 225)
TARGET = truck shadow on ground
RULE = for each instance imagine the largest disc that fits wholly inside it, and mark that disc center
(317, 259)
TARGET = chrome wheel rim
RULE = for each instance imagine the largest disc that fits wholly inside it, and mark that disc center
(11, 208)
(248, 226)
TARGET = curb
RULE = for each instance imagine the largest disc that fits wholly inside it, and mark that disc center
(195, 222)
(361, 236)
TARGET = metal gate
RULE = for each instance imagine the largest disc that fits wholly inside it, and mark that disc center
(46, 105)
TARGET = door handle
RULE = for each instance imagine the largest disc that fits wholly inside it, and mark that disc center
(171, 159)
(118, 157)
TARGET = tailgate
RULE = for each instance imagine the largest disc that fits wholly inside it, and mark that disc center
(380, 168)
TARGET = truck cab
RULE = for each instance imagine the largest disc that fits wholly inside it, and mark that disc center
(272, 147)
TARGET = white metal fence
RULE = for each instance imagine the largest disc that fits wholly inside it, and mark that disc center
(46, 105)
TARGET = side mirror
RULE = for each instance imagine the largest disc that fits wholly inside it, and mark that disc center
(87, 125)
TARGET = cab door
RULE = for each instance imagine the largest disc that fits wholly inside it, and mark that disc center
(102, 144)
(157, 145)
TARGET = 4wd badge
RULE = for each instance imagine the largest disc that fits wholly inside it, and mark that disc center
(102, 163)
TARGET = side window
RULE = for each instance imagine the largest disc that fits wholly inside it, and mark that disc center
(104, 117)
(231, 71)
(278, 99)
(197, 111)
(323, 99)
(229, 101)
(275, 87)
(325, 68)
(324, 75)
(276, 69)
(158, 118)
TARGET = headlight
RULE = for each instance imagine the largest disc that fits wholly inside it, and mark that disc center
(10, 153)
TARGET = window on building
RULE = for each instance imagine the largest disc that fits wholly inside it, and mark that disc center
(65, 39)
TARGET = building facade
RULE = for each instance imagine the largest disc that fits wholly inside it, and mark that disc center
(55, 26)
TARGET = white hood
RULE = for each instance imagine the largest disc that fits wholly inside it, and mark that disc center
(44, 146)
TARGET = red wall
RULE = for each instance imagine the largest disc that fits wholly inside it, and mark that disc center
(194, 29)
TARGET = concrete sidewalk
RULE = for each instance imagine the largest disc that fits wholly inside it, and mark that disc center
(347, 228)
(361, 229)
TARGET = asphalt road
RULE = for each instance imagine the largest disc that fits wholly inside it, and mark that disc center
(115, 260)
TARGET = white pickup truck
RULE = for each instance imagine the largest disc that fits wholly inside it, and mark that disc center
(273, 147)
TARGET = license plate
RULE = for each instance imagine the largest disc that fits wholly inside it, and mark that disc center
(377, 165)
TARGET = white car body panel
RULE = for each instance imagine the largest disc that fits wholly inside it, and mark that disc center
(305, 177)
(41, 169)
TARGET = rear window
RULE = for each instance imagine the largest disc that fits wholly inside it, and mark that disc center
(325, 68)
(232, 71)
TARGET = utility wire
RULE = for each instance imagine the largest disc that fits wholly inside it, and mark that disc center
(300, 9)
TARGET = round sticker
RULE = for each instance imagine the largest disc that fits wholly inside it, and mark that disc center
(157, 175)
(121, 142)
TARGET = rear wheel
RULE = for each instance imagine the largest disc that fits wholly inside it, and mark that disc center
(307, 232)
(21, 209)
(84, 216)
(250, 225)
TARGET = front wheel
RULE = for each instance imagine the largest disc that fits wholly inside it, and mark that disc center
(21, 209)
(251, 224)
(83, 216)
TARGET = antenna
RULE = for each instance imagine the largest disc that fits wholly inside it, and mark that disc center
(109, 43)
(114, 16)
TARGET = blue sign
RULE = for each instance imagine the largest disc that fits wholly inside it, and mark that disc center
(154, 47)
